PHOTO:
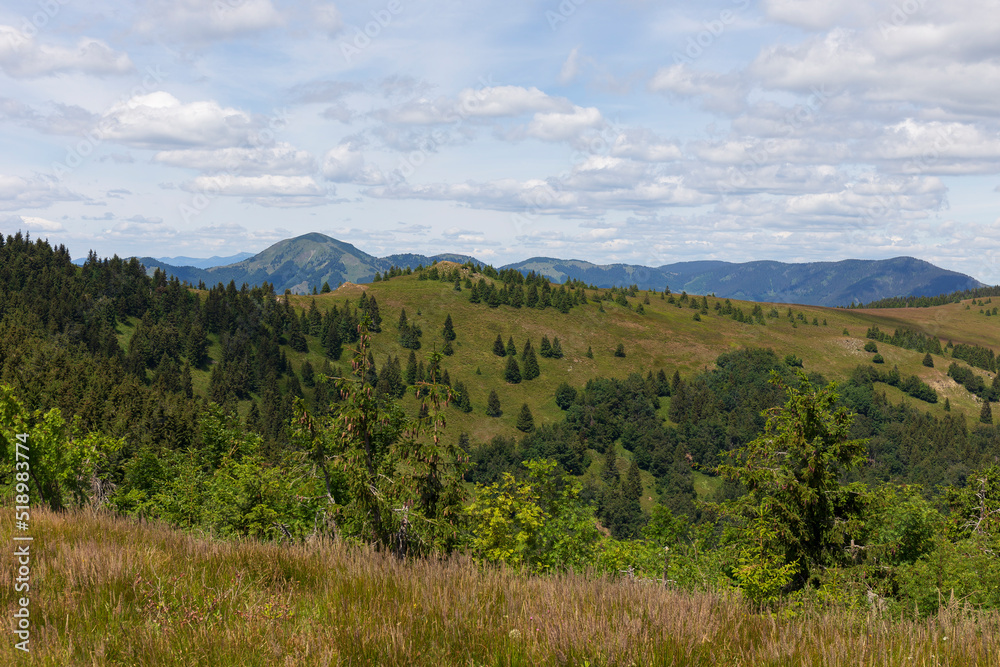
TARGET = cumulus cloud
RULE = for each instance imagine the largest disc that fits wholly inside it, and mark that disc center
(159, 120)
(643, 144)
(197, 20)
(282, 159)
(346, 164)
(717, 92)
(474, 103)
(24, 57)
(564, 126)
(17, 192)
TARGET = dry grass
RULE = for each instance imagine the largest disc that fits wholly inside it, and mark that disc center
(109, 592)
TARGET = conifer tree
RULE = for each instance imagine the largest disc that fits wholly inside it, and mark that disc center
(308, 374)
(498, 347)
(545, 349)
(511, 348)
(556, 352)
(462, 400)
(590, 353)
(531, 370)
(633, 483)
(411, 369)
(493, 405)
(525, 422)
(186, 385)
(620, 350)
(524, 350)
(928, 360)
(986, 414)
(512, 374)
(449, 329)
(609, 472)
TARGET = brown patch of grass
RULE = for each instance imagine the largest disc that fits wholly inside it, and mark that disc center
(107, 591)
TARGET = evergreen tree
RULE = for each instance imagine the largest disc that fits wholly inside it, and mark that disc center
(633, 483)
(590, 353)
(609, 472)
(557, 352)
(524, 350)
(447, 349)
(254, 423)
(498, 347)
(493, 405)
(620, 350)
(411, 369)
(462, 400)
(512, 374)
(545, 349)
(449, 329)
(947, 406)
(531, 370)
(186, 385)
(525, 422)
(986, 414)
(511, 348)
(928, 360)
(326, 288)
(308, 374)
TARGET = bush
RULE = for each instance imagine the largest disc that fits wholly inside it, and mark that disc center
(870, 346)
(877, 359)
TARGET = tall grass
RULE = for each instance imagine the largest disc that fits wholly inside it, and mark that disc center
(106, 591)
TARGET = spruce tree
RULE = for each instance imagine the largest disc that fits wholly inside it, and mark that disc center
(545, 349)
(557, 352)
(590, 353)
(493, 405)
(308, 374)
(411, 369)
(928, 360)
(531, 370)
(527, 348)
(447, 349)
(511, 348)
(609, 472)
(620, 350)
(449, 329)
(986, 414)
(512, 374)
(525, 422)
(498, 347)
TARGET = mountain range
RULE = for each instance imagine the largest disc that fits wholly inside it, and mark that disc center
(308, 261)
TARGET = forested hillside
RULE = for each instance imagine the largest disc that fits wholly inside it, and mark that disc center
(461, 408)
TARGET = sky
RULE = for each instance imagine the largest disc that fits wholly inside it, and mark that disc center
(632, 131)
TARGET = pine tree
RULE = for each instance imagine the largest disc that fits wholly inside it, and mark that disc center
(633, 483)
(590, 353)
(449, 329)
(928, 360)
(620, 350)
(493, 405)
(986, 414)
(462, 400)
(498, 347)
(525, 422)
(557, 352)
(947, 405)
(186, 385)
(512, 374)
(531, 370)
(524, 350)
(511, 348)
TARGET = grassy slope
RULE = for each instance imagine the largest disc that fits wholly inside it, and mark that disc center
(665, 337)
(106, 591)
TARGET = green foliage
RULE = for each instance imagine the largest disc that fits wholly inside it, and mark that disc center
(565, 395)
(539, 523)
(493, 405)
(792, 476)
(512, 374)
(870, 346)
(498, 347)
(928, 360)
(391, 480)
(62, 461)
(620, 350)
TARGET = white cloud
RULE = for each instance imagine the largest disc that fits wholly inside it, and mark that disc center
(282, 158)
(256, 186)
(717, 92)
(560, 126)
(160, 120)
(17, 192)
(471, 103)
(345, 164)
(644, 145)
(570, 68)
(22, 56)
(197, 20)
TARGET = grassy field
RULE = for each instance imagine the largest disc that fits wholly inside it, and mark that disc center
(109, 592)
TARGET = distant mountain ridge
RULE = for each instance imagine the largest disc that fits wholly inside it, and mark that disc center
(310, 260)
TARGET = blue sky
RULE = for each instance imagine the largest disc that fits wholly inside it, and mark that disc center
(633, 131)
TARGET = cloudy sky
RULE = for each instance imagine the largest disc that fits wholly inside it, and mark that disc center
(632, 131)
